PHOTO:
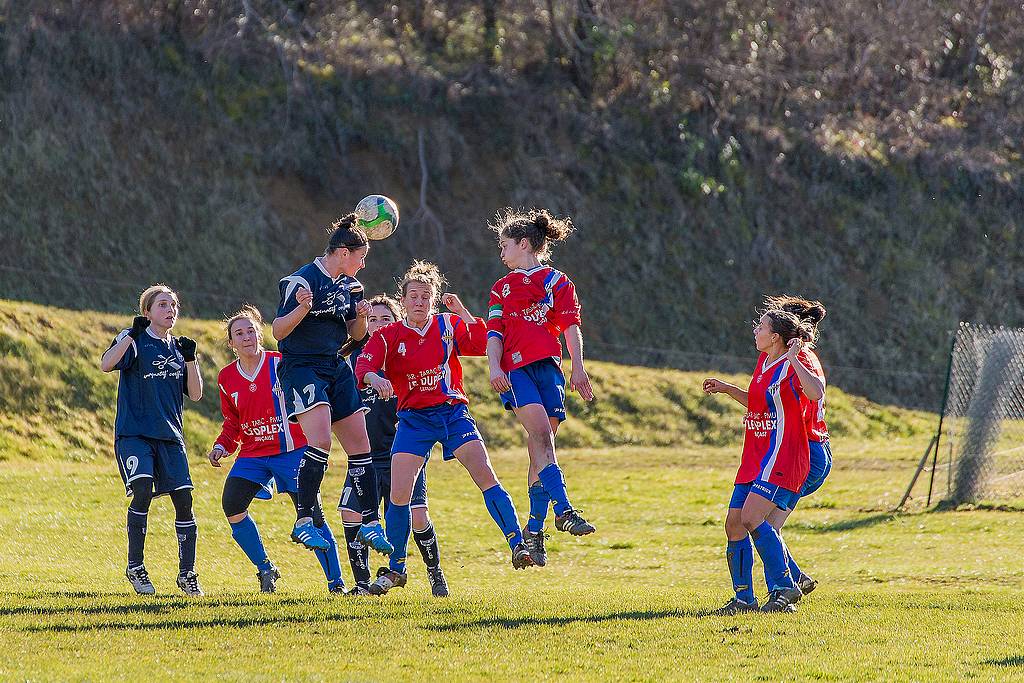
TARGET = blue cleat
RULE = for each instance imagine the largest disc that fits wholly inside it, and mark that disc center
(308, 535)
(372, 535)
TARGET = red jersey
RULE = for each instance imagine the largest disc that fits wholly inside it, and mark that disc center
(814, 411)
(528, 310)
(775, 447)
(254, 411)
(423, 364)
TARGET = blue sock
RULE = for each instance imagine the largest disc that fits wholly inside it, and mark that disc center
(540, 501)
(247, 536)
(503, 512)
(794, 568)
(397, 522)
(329, 560)
(773, 555)
(554, 483)
(740, 556)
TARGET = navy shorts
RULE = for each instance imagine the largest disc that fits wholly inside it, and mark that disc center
(383, 468)
(540, 382)
(163, 462)
(821, 466)
(270, 471)
(449, 424)
(307, 384)
(784, 499)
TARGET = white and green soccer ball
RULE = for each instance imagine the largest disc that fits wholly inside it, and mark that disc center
(377, 215)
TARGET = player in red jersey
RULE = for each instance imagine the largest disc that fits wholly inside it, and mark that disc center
(775, 458)
(255, 416)
(529, 309)
(417, 360)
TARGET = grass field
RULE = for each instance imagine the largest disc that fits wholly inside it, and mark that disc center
(927, 596)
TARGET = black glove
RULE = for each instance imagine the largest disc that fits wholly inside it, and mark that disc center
(139, 326)
(188, 348)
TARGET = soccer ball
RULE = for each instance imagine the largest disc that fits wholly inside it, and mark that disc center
(377, 215)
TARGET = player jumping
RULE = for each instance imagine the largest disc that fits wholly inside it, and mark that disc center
(417, 360)
(529, 308)
(157, 370)
(271, 447)
(321, 306)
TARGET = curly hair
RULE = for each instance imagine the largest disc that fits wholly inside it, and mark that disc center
(536, 225)
(425, 273)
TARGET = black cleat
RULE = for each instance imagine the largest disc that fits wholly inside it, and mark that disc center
(736, 606)
(438, 584)
(535, 544)
(268, 579)
(140, 580)
(806, 584)
(359, 590)
(386, 580)
(782, 600)
(573, 523)
(521, 558)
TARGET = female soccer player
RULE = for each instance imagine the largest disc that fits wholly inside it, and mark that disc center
(529, 308)
(321, 307)
(775, 458)
(417, 359)
(381, 423)
(157, 370)
(254, 415)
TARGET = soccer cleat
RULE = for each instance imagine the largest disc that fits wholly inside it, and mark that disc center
(535, 544)
(438, 584)
(386, 580)
(572, 522)
(806, 584)
(188, 582)
(268, 579)
(782, 600)
(521, 558)
(736, 606)
(336, 586)
(140, 580)
(372, 535)
(359, 590)
(309, 536)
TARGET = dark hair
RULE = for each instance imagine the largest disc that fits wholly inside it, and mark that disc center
(536, 225)
(246, 312)
(811, 312)
(788, 326)
(389, 303)
(346, 234)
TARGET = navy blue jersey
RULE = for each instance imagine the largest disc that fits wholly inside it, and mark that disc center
(150, 391)
(382, 420)
(324, 329)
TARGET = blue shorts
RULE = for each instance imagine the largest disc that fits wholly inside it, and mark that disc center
(383, 467)
(307, 384)
(449, 424)
(821, 465)
(163, 462)
(784, 499)
(539, 382)
(270, 471)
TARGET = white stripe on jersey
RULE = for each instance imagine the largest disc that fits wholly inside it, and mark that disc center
(294, 282)
(780, 421)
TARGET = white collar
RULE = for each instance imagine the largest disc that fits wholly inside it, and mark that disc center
(764, 367)
(421, 331)
(319, 264)
(259, 366)
(167, 341)
(528, 271)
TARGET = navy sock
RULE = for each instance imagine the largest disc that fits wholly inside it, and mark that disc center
(769, 547)
(247, 536)
(329, 560)
(794, 568)
(553, 481)
(358, 554)
(740, 556)
(426, 541)
(363, 476)
(503, 512)
(397, 521)
(136, 537)
(311, 475)
(540, 501)
(188, 532)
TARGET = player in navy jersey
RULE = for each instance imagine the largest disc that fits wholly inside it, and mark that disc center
(321, 307)
(381, 424)
(417, 360)
(157, 370)
(530, 308)
(254, 416)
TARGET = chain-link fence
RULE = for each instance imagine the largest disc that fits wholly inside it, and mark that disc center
(980, 450)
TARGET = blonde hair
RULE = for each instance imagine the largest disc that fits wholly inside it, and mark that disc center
(425, 273)
(246, 312)
(150, 294)
(388, 303)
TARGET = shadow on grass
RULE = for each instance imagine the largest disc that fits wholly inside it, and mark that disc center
(240, 622)
(136, 605)
(519, 622)
(1016, 660)
(844, 524)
